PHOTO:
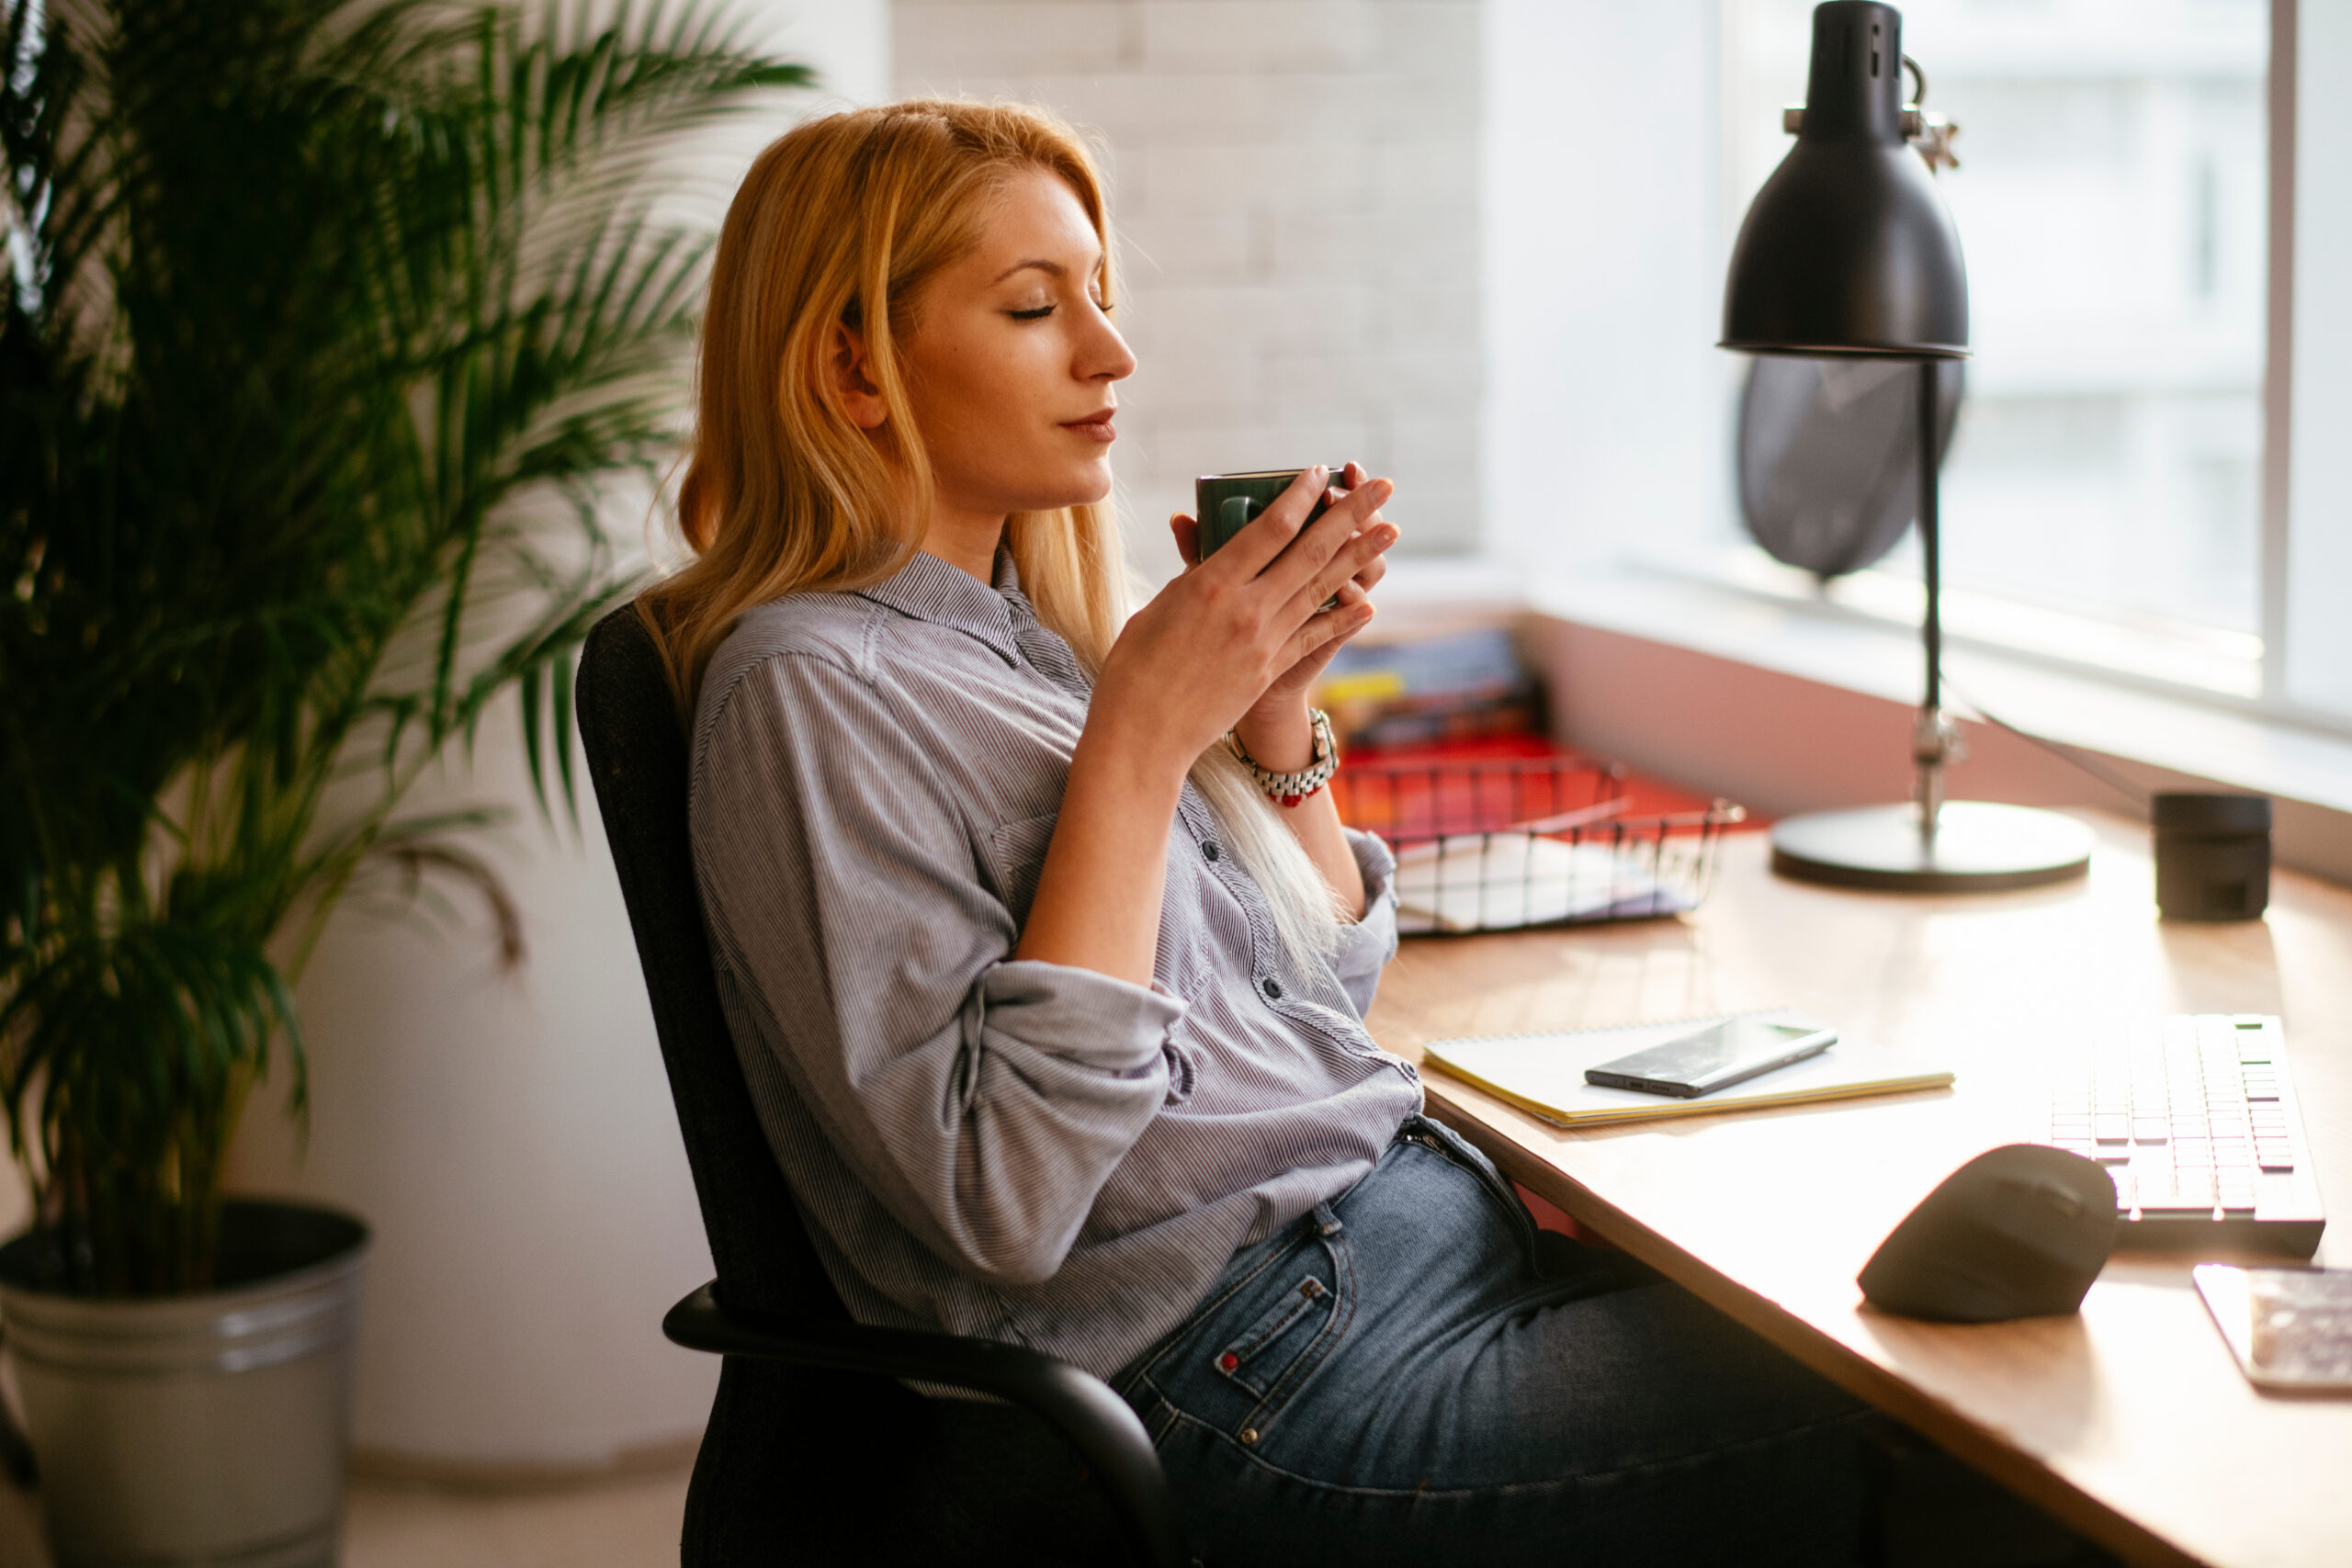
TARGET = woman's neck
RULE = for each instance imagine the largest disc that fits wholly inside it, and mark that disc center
(969, 542)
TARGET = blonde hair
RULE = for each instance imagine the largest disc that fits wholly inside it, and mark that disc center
(844, 218)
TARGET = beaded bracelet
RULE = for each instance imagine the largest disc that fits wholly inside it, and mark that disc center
(1289, 789)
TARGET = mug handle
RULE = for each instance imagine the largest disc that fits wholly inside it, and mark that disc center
(1232, 515)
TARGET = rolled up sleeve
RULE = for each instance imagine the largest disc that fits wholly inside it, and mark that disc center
(1366, 946)
(983, 1101)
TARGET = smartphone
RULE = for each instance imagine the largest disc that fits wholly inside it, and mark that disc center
(1715, 1057)
(2290, 1328)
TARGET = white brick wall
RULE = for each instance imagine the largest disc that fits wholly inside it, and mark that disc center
(1296, 186)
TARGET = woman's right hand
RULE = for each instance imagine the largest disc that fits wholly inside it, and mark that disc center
(1194, 660)
(1188, 665)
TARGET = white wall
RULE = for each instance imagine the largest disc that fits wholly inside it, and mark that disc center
(1295, 183)
(510, 1139)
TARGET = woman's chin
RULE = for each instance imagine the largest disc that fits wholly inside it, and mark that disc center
(1085, 488)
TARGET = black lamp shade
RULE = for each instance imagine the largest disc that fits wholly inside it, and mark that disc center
(1848, 249)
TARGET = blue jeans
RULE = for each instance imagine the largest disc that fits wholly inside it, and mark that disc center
(1414, 1374)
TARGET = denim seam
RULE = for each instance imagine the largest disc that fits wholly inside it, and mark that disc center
(1164, 1417)
(1497, 1186)
(1500, 1489)
(1343, 1311)
(1175, 1338)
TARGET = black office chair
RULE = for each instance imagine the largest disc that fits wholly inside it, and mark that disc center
(814, 1452)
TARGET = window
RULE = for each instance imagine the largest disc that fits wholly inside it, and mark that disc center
(2111, 205)
(2141, 481)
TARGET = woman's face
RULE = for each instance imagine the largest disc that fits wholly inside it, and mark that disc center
(1011, 361)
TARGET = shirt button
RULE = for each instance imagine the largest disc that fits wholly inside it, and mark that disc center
(1209, 849)
(1273, 989)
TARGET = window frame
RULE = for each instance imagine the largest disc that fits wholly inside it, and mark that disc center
(2279, 368)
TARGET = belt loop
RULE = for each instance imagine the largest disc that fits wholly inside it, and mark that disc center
(1327, 1222)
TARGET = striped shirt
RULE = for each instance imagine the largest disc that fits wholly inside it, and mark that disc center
(1003, 1148)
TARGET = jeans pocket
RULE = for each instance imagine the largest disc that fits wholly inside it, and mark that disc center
(1238, 1380)
(1254, 1358)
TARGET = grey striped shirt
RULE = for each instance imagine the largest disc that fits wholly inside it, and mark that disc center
(1010, 1149)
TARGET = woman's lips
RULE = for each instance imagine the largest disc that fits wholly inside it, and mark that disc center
(1096, 427)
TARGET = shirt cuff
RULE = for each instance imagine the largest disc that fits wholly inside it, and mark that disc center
(1366, 946)
(1377, 863)
(1092, 1019)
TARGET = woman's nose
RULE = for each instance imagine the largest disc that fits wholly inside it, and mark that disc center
(1106, 355)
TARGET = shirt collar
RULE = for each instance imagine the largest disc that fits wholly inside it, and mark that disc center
(928, 588)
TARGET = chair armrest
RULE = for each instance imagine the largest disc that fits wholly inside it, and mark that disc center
(1077, 1404)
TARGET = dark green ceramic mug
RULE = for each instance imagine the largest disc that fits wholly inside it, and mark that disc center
(1227, 504)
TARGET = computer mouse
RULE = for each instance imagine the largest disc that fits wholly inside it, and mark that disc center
(2020, 1231)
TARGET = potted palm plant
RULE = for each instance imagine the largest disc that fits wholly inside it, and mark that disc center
(322, 328)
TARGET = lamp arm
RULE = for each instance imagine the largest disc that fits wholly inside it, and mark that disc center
(1934, 741)
(1931, 530)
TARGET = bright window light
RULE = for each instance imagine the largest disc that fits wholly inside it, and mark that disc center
(2111, 200)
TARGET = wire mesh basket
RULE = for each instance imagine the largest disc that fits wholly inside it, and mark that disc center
(1498, 845)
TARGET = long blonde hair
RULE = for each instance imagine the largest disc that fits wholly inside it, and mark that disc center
(844, 218)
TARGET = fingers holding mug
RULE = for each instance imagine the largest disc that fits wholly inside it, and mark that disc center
(1263, 512)
(1323, 634)
(1332, 536)
(1343, 568)
(1187, 531)
(1282, 519)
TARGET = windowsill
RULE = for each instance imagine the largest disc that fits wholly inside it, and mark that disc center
(2169, 658)
(1830, 645)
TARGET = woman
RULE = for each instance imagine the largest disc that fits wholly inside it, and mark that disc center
(1053, 1017)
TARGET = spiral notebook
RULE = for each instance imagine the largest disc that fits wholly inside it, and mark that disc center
(1544, 1074)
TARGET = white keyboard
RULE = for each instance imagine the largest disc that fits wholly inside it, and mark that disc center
(2195, 1118)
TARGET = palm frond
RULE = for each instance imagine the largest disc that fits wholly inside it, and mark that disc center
(325, 327)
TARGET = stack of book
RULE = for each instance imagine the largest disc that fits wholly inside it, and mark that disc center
(1430, 690)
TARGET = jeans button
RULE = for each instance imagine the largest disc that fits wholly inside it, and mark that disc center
(1248, 1436)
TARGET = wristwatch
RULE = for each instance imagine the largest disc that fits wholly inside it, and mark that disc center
(1289, 789)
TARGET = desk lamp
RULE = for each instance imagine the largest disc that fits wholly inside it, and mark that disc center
(1848, 252)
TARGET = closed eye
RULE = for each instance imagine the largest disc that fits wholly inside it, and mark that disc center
(1042, 311)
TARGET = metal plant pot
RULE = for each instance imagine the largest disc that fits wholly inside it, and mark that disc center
(197, 1431)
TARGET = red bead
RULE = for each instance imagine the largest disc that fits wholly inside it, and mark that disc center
(1228, 1361)
(1293, 799)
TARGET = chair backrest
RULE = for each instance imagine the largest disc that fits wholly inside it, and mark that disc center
(637, 757)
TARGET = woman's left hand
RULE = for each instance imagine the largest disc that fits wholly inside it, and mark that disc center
(1276, 731)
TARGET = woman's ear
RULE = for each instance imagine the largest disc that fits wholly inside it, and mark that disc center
(854, 380)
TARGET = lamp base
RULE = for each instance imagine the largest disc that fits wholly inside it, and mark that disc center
(1979, 847)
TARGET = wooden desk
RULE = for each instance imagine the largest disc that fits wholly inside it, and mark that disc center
(2130, 1421)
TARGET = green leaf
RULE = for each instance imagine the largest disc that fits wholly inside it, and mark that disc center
(322, 329)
